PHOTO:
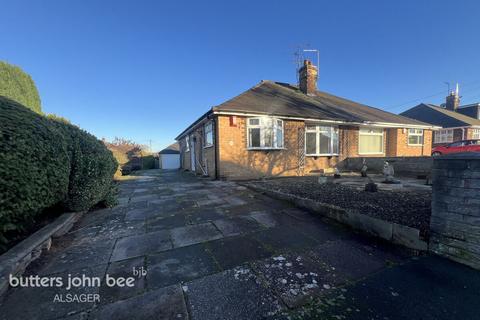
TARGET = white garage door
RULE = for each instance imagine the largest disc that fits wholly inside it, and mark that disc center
(170, 161)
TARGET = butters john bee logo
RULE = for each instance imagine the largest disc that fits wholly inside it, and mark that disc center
(82, 281)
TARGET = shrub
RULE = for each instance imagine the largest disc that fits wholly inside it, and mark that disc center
(148, 162)
(45, 163)
(34, 166)
(19, 86)
(92, 168)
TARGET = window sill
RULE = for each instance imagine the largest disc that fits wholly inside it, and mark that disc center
(371, 154)
(209, 146)
(415, 145)
(322, 155)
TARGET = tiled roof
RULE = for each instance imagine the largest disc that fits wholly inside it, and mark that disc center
(281, 99)
(174, 148)
(439, 116)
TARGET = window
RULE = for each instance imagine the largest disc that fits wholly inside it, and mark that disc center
(475, 133)
(370, 141)
(208, 132)
(443, 136)
(415, 137)
(187, 143)
(321, 140)
(265, 133)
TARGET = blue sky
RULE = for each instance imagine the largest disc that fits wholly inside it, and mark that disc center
(146, 69)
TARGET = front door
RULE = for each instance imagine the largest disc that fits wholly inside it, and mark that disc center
(192, 154)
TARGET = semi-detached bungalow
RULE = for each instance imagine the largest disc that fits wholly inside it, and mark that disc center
(457, 123)
(279, 129)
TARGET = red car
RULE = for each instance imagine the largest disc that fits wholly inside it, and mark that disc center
(458, 146)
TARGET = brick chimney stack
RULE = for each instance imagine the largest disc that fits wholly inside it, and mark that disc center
(308, 75)
(453, 100)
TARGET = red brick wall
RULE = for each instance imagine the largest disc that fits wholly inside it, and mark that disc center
(397, 144)
(236, 162)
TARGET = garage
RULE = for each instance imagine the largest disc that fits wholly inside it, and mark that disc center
(169, 158)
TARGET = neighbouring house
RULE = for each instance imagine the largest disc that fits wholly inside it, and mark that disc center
(169, 158)
(279, 129)
(455, 120)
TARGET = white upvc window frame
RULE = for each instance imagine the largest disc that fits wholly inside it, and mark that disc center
(187, 144)
(276, 124)
(382, 134)
(443, 136)
(318, 129)
(475, 133)
(418, 133)
(208, 129)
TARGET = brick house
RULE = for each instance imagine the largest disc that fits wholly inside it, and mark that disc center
(456, 122)
(278, 129)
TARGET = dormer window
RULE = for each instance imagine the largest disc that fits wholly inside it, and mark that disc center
(264, 133)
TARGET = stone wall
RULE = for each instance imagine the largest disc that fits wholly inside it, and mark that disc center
(404, 166)
(455, 222)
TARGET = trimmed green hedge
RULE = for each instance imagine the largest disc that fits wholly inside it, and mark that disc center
(19, 86)
(46, 163)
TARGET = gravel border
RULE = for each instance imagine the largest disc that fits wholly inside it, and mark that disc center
(408, 208)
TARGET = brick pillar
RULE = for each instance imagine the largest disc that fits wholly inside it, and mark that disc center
(455, 221)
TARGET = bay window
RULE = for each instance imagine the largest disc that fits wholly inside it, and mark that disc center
(415, 137)
(443, 136)
(208, 134)
(265, 133)
(370, 141)
(321, 140)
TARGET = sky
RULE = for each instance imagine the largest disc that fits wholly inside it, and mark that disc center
(144, 70)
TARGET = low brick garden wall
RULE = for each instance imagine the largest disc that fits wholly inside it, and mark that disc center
(455, 221)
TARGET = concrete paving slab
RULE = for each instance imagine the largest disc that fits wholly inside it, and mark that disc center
(161, 223)
(179, 265)
(280, 239)
(233, 294)
(72, 257)
(165, 303)
(204, 214)
(273, 219)
(136, 214)
(234, 251)
(347, 259)
(236, 226)
(140, 245)
(123, 269)
(189, 235)
(38, 303)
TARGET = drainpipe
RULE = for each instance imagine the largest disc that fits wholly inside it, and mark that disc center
(215, 146)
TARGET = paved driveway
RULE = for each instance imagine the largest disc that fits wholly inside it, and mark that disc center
(215, 250)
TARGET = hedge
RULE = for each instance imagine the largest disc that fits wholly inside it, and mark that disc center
(45, 163)
(19, 86)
